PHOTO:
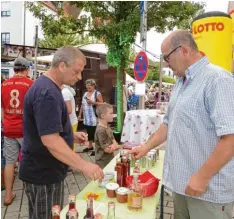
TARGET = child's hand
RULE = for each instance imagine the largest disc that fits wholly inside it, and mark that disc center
(112, 148)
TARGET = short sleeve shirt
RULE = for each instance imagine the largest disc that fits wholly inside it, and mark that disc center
(68, 96)
(103, 138)
(12, 102)
(45, 113)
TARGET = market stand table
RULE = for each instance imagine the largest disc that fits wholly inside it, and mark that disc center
(121, 210)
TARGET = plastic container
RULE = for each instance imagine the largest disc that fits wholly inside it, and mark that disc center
(149, 183)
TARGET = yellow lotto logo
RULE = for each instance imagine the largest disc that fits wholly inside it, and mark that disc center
(213, 36)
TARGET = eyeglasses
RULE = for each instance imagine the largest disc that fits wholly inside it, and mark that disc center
(166, 57)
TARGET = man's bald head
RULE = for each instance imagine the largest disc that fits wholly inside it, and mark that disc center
(181, 37)
(180, 51)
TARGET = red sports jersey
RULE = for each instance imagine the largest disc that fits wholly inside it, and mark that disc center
(12, 100)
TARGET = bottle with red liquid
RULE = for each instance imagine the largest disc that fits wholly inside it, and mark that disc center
(56, 212)
(89, 211)
(73, 214)
(129, 165)
(72, 204)
(119, 170)
(125, 169)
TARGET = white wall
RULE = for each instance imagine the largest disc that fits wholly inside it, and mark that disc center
(13, 23)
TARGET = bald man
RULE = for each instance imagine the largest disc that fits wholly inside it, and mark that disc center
(199, 130)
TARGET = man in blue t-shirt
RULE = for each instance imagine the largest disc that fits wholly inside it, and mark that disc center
(48, 136)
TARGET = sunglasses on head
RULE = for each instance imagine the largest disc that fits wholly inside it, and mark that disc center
(166, 57)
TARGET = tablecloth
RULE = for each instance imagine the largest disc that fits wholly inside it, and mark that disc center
(139, 125)
(121, 210)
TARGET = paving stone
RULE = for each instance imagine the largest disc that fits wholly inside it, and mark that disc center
(170, 204)
(168, 210)
(3, 193)
(14, 207)
(167, 216)
(3, 209)
(18, 186)
(168, 198)
(12, 215)
(24, 211)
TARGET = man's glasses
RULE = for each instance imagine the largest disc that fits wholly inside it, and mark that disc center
(166, 57)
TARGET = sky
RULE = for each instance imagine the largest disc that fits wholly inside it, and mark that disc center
(155, 39)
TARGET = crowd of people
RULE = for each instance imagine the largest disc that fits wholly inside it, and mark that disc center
(151, 97)
(38, 117)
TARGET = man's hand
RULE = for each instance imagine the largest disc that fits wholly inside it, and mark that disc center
(91, 170)
(197, 185)
(138, 152)
(80, 137)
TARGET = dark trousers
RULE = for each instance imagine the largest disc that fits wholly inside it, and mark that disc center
(41, 198)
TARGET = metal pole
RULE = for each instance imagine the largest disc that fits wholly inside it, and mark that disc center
(160, 79)
(144, 33)
(35, 59)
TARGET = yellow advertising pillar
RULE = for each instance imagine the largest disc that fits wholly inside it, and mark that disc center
(231, 13)
(212, 32)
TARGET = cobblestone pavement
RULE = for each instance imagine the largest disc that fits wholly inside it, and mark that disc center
(74, 183)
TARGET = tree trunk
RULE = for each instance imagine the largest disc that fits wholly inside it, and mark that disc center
(120, 76)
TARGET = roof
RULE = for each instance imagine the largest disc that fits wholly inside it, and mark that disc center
(95, 47)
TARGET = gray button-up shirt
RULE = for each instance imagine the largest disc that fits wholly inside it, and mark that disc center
(200, 111)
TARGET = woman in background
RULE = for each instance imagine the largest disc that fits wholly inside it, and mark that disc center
(90, 100)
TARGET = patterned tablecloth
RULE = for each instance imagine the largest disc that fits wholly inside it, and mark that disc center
(139, 125)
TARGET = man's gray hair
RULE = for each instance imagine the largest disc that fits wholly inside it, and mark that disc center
(184, 37)
(68, 55)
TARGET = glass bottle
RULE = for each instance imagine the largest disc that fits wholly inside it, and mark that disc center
(143, 162)
(121, 154)
(136, 169)
(129, 164)
(73, 214)
(135, 196)
(89, 211)
(111, 210)
(72, 204)
(119, 170)
(56, 212)
(125, 169)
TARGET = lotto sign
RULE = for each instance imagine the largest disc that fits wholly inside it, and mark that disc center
(141, 67)
(211, 28)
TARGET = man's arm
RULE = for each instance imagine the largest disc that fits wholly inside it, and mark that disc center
(223, 153)
(61, 151)
(155, 140)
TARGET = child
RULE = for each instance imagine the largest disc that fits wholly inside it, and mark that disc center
(105, 143)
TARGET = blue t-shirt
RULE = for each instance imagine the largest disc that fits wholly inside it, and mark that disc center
(45, 113)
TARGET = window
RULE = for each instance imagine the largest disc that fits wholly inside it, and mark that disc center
(5, 73)
(5, 38)
(6, 13)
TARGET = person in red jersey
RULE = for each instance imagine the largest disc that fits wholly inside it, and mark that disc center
(12, 103)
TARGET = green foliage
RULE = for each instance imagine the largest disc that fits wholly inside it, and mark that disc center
(168, 79)
(60, 40)
(119, 21)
